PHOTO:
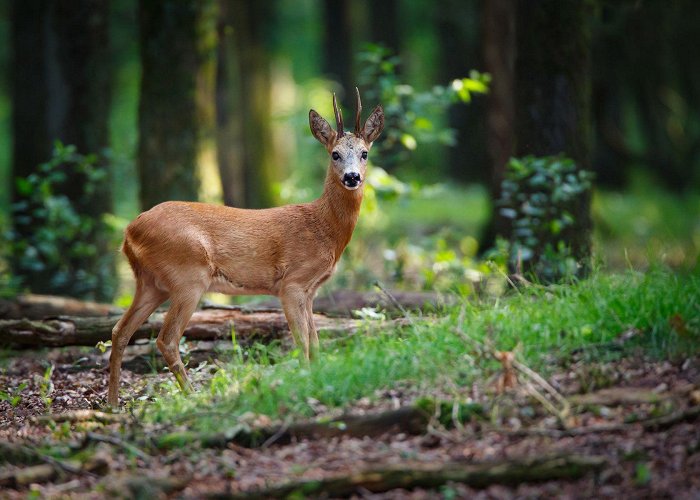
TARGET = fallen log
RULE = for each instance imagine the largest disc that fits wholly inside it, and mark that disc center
(344, 302)
(209, 324)
(32, 306)
(411, 420)
(481, 475)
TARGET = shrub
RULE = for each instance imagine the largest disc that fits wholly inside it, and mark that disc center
(57, 245)
(541, 197)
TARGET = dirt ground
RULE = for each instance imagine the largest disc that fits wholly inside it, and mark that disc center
(642, 461)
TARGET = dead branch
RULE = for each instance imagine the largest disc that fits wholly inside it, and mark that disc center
(653, 424)
(412, 420)
(409, 420)
(511, 472)
(81, 416)
(115, 441)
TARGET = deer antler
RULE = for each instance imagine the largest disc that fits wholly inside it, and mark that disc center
(338, 117)
(358, 113)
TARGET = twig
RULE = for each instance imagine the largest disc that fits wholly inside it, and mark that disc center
(113, 440)
(273, 439)
(561, 414)
(393, 300)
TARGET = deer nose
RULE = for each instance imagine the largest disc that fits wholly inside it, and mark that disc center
(352, 179)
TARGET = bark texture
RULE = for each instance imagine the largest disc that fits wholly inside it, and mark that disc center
(210, 324)
(552, 93)
(178, 54)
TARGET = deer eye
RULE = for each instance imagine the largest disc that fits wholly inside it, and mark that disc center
(335, 156)
(364, 155)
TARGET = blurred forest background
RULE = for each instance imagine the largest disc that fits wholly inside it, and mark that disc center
(108, 107)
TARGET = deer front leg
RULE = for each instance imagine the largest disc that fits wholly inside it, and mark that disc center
(313, 335)
(181, 309)
(294, 301)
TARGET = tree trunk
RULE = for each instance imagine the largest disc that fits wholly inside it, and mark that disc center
(499, 52)
(458, 32)
(552, 113)
(337, 42)
(178, 50)
(62, 91)
(384, 24)
(229, 134)
(31, 140)
(245, 108)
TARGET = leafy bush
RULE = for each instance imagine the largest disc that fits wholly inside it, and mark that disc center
(56, 245)
(539, 197)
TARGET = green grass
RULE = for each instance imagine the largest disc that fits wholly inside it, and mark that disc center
(430, 358)
(645, 224)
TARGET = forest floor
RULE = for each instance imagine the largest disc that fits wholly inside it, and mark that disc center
(641, 454)
(422, 408)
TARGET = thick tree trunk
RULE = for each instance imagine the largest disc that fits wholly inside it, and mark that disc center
(31, 141)
(499, 52)
(384, 24)
(337, 43)
(459, 32)
(251, 86)
(62, 91)
(229, 133)
(552, 114)
(178, 54)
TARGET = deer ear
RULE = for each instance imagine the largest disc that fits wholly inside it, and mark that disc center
(320, 128)
(374, 125)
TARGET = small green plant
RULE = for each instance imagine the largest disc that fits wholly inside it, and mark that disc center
(411, 113)
(57, 245)
(540, 199)
(13, 396)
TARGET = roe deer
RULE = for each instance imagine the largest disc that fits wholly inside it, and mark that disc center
(179, 250)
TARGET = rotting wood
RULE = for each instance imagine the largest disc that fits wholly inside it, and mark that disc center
(33, 306)
(81, 416)
(615, 396)
(27, 475)
(652, 424)
(209, 324)
(343, 302)
(411, 420)
(481, 475)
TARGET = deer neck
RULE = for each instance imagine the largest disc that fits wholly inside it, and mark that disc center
(339, 209)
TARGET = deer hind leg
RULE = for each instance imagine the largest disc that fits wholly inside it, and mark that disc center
(181, 309)
(294, 303)
(311, 326)
(146, 299)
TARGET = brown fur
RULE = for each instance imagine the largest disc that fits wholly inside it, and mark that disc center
(179, 250)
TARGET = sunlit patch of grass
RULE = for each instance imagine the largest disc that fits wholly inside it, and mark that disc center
(547, 323)
(646, 224)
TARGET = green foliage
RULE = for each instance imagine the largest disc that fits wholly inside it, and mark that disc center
(411, 113)
(547, 322)
(538, 197)
(52, 243)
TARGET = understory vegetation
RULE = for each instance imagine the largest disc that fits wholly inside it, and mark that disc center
(658, 312)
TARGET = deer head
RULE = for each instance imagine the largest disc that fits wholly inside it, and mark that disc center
(348, 151)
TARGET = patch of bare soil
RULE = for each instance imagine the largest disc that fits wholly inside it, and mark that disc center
(619, 414)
